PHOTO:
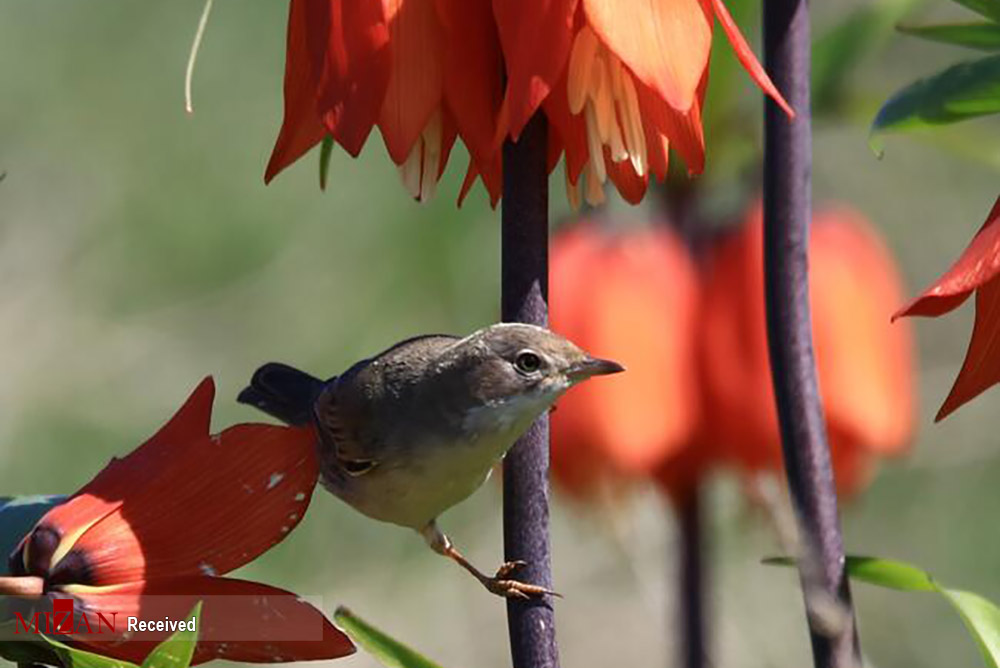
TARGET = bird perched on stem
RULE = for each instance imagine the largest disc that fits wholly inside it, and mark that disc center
(414, 430)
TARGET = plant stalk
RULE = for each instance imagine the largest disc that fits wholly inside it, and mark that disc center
(524, 298)
(787, 212)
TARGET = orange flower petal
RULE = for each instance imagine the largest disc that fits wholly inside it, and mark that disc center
(185, 502)
(981, 368)
(536, 38)
(630, 298)
(664, 42)
(978, 264)
(302, 127)
(472, 74)
(350, 40)
(864, 361)
(746, 57)
(240, 620)
(416, 85)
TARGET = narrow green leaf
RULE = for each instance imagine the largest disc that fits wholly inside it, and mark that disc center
(988, 8)
(325, 151)
(388, 651)
(72, 657)
(984, 35)
(982, 619)
(958, 93)
(873, 570)
(177, 650)
(889, 573)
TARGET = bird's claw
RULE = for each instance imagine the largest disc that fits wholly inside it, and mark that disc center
(501, 585)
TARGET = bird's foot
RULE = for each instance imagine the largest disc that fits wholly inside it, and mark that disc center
(501, 585)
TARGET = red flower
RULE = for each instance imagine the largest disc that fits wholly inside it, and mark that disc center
(423, 71)
(150, 534)
(622, 82)
(864, 362)
(632, 297)
(976, 270)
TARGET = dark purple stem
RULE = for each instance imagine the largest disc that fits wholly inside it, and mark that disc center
(692, 580)
(524, 298)
(787, 212)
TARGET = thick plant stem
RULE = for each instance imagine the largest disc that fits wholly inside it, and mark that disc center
(787, 212)
(691, 581)
(524, 287)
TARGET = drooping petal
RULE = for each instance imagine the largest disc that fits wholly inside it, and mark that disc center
(978, 264)
(747, 58)
(186, 502)
(665, 43)
(864, 361)
(350, 39)
(240, 620)
(981, 368)
(683, 130)
(536, 38)
(472, 74)
(416, 85)
(567, 132)
(302, 127)
(632, 299)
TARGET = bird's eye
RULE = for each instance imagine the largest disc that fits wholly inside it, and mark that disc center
(528, 362)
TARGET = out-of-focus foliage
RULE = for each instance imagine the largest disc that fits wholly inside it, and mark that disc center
(960, 92)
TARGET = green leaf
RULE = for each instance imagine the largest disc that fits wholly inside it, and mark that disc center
(325, 151)
(177, 650)
(388, 651)
(71, 657)
(982, 619)
(17, 516)
(988, 8)
(983, 35)
(958, 93)
(890, 573)
(873, 570)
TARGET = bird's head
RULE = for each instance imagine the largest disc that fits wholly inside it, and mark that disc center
(518, 371)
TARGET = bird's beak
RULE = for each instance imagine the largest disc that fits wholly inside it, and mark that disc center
(592, 366)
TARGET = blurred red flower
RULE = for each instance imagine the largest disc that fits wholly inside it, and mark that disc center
(428, 71)
(149, 536)
(632, 297)
(864, 363)
(622, 82)
(976, 270)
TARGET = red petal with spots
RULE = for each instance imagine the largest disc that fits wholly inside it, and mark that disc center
(747, 58)
(978, 264)
(240, 620)
(302, 127)
(416, 85)
(350, 40)
(189, 503)
(981, 369)
(664, 42)
(536, 38)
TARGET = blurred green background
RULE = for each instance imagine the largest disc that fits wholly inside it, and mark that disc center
(140, 251)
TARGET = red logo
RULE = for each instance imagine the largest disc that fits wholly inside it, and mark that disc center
(63, 619)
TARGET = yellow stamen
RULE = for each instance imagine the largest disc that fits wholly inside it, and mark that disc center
(595, 188)
(601, 88)
(581, 60)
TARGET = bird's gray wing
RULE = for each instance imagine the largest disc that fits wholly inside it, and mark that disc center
(340, 440)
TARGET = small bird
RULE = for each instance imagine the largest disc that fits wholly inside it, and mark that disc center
(414, 430)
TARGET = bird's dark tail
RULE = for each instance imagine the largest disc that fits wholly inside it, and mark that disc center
(283, 392)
